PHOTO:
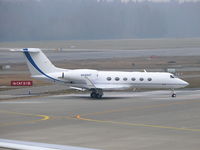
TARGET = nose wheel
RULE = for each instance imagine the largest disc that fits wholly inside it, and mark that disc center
(173, 93)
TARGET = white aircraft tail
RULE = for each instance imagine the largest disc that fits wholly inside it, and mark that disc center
(37, 62)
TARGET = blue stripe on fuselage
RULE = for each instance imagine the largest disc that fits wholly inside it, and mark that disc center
(28, 56)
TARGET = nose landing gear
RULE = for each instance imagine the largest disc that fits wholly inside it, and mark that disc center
(173, 93)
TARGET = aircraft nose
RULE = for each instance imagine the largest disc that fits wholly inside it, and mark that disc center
(184, 83)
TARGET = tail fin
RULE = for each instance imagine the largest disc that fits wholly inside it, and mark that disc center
(37, 62)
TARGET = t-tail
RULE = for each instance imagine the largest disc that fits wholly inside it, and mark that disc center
(38, 63)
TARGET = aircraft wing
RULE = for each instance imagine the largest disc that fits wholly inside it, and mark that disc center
(22, 145)
(113, 87)
(90, 84)
(77, 88)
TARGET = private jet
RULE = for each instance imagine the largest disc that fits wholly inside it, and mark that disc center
(97, 81)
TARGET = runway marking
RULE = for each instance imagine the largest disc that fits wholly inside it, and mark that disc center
(81, 117)
(42, 118)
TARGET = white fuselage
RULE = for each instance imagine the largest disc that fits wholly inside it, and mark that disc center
(116, 80)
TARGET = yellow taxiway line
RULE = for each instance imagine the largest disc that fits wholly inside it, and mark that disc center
(42, 118)
(136, 124)
(84, 118)
(137, 108)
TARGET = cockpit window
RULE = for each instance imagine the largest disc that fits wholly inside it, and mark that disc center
(172, 76)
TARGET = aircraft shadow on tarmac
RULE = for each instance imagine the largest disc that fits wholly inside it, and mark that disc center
(82, 97)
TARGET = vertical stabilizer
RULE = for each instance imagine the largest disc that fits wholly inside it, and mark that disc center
(37, 62)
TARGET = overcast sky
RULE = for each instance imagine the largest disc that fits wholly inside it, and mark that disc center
(22, 20)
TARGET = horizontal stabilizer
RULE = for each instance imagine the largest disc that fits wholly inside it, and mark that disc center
(31, 50)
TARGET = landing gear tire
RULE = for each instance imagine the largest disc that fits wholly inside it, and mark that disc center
(173, 95)
(93, 95)
(96, 94)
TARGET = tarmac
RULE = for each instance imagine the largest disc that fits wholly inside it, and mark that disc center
(121, 120)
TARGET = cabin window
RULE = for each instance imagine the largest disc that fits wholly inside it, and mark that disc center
(149, 79)
(141, 79)
(109, 78)
(117, 78)
(125, 79)
(133, 79)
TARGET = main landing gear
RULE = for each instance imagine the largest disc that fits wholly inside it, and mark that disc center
(173, 93)
(96, 93)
